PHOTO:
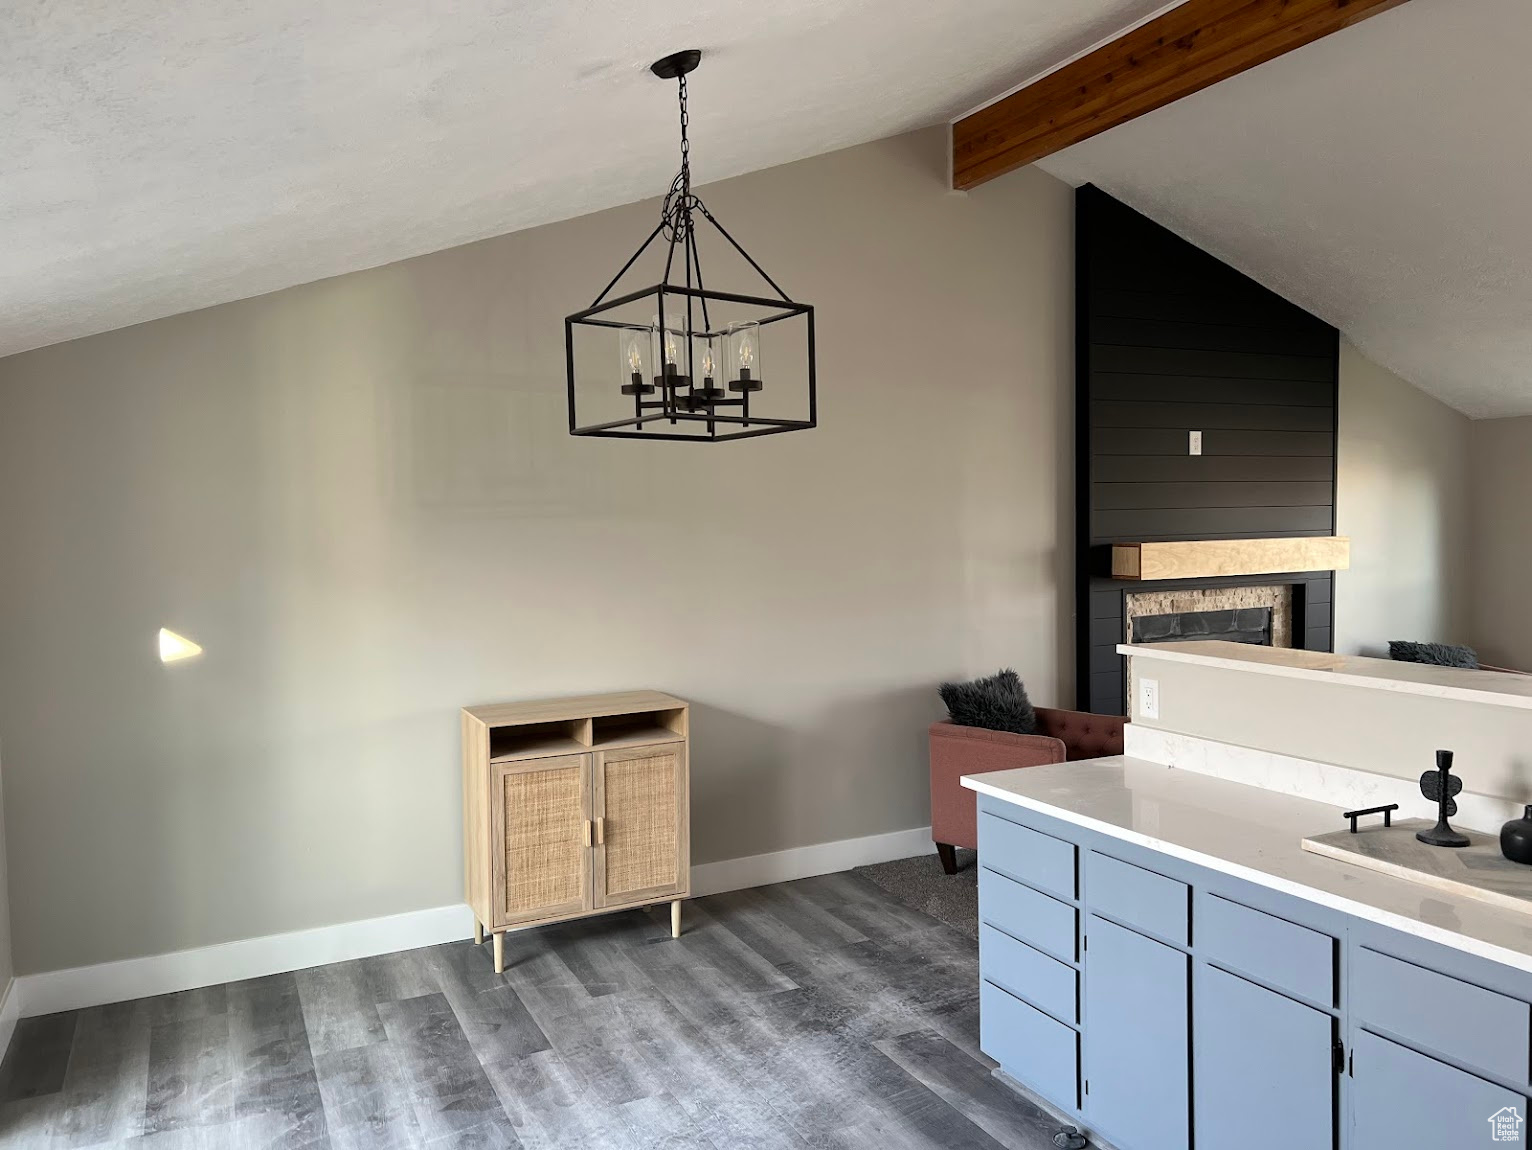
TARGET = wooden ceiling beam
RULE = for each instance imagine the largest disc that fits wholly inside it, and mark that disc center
(1179, 52)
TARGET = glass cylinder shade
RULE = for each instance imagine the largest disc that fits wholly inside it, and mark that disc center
(669, 347)
(708, 367)
(743, 344)
(635, 351)
(705, 357)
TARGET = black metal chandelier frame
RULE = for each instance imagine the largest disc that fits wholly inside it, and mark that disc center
(674, 397)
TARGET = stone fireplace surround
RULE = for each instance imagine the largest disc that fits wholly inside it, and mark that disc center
(1278, 598)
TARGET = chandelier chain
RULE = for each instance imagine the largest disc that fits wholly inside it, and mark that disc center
(686, 144)
(676, 212)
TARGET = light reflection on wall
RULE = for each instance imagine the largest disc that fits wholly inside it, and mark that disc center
(176, 648)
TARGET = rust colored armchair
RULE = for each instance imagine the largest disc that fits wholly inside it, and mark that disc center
(1062, 736)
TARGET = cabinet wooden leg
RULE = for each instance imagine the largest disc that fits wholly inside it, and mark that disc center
(675, 919)
(499, 952)
(478, 933)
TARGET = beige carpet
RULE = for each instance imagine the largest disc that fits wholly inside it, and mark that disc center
(920, 882)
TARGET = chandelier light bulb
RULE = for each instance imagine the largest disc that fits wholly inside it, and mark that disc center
(707, 363)
(744, 358)
(635, 357)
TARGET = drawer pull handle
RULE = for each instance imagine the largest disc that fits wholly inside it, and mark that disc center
(587, 832)
(601, 831)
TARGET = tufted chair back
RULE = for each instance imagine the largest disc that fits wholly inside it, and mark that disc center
(1084, 736)
(1062, 736)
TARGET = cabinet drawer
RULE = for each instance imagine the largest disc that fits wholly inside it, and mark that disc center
(1032, 1048)
(1045, 982)
(1137, 897)
(1021, 912)
(1035, 858)
(1464, 1022)
(1271, 950)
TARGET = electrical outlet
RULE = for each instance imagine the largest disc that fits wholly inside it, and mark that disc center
(1194, 443)
(1148, 698)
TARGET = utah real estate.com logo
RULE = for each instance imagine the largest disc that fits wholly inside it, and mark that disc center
(1505, 1125)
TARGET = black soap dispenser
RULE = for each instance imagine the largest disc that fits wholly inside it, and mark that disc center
(1516, 838)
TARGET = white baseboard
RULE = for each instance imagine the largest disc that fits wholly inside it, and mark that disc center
(82, 986)
(10, 1011)
(805, 862)
(78, 987)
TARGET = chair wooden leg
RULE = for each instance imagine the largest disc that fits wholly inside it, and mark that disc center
(948, 854)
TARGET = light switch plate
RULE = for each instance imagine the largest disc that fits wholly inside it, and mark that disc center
(1194, 443)
(1149, 698)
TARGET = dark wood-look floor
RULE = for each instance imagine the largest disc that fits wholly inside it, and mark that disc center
(818, 1013)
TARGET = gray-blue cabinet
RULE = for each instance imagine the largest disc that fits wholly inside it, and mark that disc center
(1405, 1099)
(1036, 1049)
(1479, 1028)
(1162, 1005)
(1137, 1009)
(1029, 993)
(1263, 1064)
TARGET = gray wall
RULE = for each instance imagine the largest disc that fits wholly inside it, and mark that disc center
(359, 496)
(7, 967)
(1402, 495)
(1502, 541)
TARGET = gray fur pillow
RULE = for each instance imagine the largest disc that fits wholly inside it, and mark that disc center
(997, 703)
(1437, 654)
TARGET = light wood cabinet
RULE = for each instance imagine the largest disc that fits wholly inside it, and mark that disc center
(573, 807)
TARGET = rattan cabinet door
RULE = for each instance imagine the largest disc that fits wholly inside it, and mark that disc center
(540, 812)
(643, 850)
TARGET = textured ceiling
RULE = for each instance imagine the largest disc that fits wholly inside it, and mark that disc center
(1379, 177)
(158, 156)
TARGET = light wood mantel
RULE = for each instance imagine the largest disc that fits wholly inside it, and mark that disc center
(1220, 558)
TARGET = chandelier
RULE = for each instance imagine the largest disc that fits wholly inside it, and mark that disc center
(680, 360)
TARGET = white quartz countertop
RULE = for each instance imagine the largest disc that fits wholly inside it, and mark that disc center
(1498, 688)
(1255, 835)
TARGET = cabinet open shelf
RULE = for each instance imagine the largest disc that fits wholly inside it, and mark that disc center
(638, 728)
(511, 739)
(536, 740)
(638, 736)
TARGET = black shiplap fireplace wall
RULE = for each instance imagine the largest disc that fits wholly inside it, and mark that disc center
(1170, 340)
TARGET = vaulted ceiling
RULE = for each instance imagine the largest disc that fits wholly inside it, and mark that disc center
(159, 157)
(1380, 178)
